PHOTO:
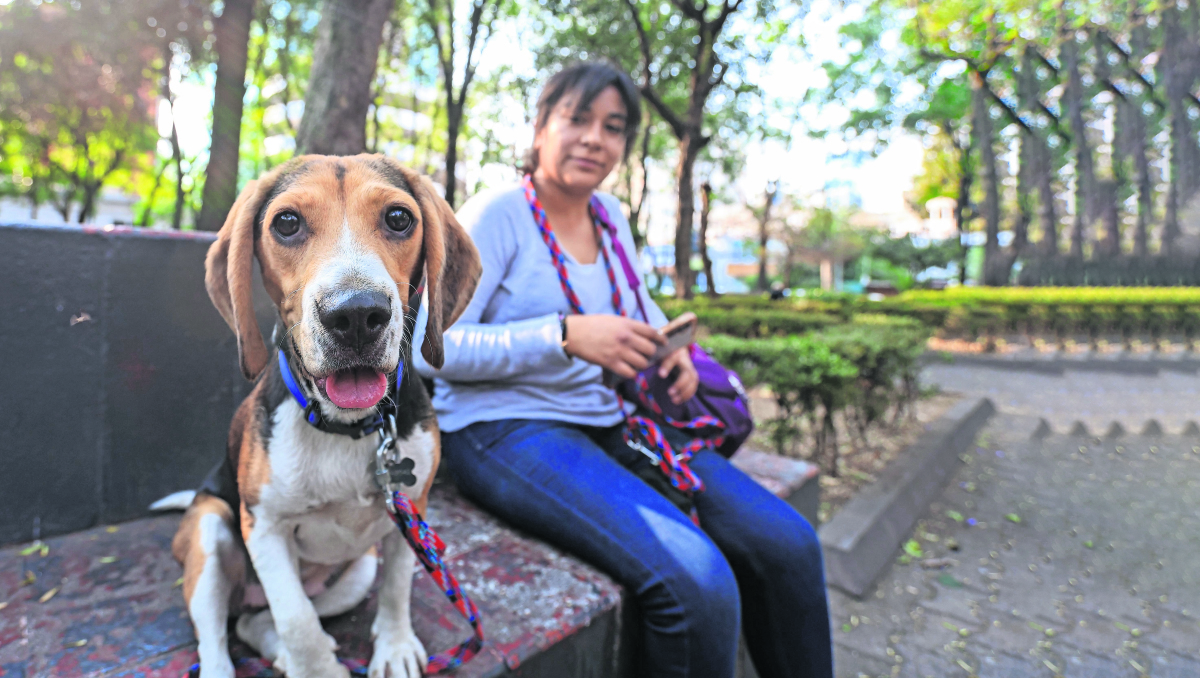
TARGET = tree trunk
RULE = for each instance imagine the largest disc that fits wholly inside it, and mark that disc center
(1109, 191)
(966, 177)
(454, 116)
(764, 234)
(176, 151)
(1040, 176)
(705, 204)
(339, 88)
(635, 208)
(1177, 64)
(689, 148)
(88, 203)
(1047, 213)
(232, 46)
(1029, 155)
(994, 270)
(1085, 176)
(177, 156)
(148, 210)
(1136, 137)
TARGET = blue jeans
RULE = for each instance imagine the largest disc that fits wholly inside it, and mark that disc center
(754, 565)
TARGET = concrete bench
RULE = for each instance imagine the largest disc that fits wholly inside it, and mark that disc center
(124, 327)
(106, 601)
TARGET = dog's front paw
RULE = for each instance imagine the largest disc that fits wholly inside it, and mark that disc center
(398, 656)
(315, 660)
(217, 669)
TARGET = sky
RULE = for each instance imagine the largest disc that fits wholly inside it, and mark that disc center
(804, 169)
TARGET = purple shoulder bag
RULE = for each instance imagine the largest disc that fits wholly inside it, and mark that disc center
(720, 393)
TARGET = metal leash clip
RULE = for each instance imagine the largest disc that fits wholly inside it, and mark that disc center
(383, 454)
(637, 445)
(390, 473)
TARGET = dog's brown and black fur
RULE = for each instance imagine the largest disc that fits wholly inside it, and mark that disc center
(283, 533)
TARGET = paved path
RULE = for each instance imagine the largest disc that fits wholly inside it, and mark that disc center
(1100, 576)
(1096, 398)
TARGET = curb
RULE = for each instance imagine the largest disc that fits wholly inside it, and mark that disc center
(1056, 365)
(861, 540)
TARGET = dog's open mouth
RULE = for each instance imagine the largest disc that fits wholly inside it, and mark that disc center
(354, 389)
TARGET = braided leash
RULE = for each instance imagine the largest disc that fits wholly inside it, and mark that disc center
(429, 549)
(641, 433)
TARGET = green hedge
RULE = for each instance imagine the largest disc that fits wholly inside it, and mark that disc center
(1060, 313)
(765, 323)
(863, 369)
(1149, 313)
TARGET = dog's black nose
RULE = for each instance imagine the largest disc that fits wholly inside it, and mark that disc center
(358, 320)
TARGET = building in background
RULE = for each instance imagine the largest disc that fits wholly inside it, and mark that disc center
(113, 206)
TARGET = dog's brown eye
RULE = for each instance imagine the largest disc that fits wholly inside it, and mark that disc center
(398, 219)
(286, 223)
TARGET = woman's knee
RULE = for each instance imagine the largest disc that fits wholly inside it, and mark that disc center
(701, 593)
(786, 545)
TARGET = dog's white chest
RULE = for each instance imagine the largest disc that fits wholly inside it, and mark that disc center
(323, 483)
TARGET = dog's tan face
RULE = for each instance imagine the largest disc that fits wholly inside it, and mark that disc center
(343, 243)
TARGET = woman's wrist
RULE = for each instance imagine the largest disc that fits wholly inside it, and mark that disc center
(562, 324)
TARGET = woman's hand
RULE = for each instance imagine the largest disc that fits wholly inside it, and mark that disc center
(687, 381)
(620, 345)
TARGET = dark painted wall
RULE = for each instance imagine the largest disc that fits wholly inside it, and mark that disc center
(117, 376)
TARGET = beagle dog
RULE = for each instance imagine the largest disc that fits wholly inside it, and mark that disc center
(284, 531)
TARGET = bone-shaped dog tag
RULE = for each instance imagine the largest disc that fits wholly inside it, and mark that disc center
(402, 473)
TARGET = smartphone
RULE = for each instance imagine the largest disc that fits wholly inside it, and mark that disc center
(679, 333)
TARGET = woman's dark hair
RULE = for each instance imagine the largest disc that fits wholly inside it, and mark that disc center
(587, 79)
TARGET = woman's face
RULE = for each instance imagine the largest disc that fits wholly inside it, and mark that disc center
(578, 148)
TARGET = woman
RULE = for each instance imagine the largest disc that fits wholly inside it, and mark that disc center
(531, 434)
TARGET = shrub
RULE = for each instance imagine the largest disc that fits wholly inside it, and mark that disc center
(807, 379)
(764, 323)
(886, 352)
(1128, 312)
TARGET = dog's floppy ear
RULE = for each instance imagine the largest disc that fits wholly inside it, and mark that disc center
(452, 267)
(229, 276)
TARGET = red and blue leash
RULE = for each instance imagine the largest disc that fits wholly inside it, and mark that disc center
(429, 549)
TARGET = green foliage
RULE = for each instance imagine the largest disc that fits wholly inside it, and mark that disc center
(903, 252)
(762, 323)
(806, 378)
(981, 81)
(78, 87)
(1126, 313)
(830, 234)
(862, 369)
(280, 55)
(885, 351)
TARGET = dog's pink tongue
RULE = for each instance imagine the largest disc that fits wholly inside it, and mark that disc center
(356, 389)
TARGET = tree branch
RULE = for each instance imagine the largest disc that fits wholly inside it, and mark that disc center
(664, 111)
(1015, 115)
(446, 61)
(1127, 61)
(643, 40)
(469, 69)
(689, 10)
(660, 106)
(718, 24)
